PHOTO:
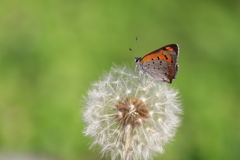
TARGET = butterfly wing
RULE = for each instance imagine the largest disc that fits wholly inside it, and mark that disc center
(161, 64)
(159, 70)
(167, 53)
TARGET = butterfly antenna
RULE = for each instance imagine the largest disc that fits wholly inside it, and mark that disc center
(132, 51)
(138, 45)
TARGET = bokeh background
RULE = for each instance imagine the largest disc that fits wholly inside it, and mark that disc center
(51, 51)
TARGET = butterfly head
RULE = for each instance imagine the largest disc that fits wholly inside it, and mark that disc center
(137, 59)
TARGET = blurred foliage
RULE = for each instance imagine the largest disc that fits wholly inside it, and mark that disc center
(51, 51)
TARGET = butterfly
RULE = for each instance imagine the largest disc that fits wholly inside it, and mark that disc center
(160, 64)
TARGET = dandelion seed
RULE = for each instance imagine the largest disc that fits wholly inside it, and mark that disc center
(130, 117)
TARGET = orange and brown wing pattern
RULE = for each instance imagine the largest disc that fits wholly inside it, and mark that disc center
(167, 53)
(160, 64)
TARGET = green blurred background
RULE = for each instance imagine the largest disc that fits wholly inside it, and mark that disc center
(51, 51)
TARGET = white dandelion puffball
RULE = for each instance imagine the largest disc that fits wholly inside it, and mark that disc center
(130, 116)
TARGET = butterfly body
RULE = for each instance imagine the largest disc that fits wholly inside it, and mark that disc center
(160, 64)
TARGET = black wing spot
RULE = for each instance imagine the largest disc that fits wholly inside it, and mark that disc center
(148, 64)
(160, 62)
(152, 59)
(166, 57)
(153, 62)
(158, 58)
(165, 73)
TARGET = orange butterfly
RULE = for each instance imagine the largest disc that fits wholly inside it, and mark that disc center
(160, 64)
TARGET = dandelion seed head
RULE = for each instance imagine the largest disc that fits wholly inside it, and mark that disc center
(130, 117)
